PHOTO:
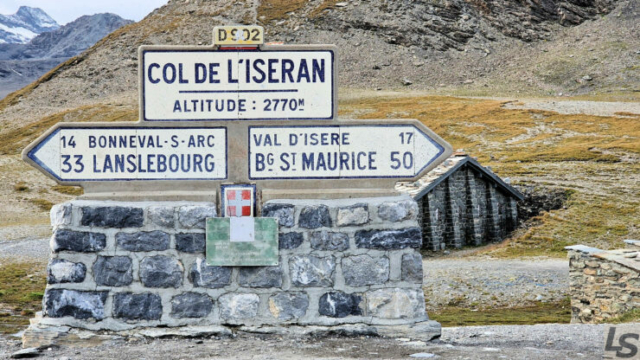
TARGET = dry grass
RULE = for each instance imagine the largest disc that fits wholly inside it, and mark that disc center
(68, 190)
(21, 289)
(277, 9)
(595, 158)
(13, 141)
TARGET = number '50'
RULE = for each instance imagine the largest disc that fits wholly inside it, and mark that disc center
(405, 161)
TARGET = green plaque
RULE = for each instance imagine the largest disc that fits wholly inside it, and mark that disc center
(242, 241)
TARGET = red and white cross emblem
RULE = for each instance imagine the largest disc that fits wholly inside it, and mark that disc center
(239, 201)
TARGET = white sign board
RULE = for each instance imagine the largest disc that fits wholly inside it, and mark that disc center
(340, 151)
(189, 84)
(73, 154)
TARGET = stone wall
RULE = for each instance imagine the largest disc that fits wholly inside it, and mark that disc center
(119, 266)
(466, 210)
(603, 284)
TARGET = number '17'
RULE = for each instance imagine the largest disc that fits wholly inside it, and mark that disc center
(406, 136)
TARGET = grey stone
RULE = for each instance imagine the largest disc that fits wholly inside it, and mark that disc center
(338, 304)
(190, 242)
(26, 353)
(357, 214)
(191, 305)
(412, 268)
(312, 271)
(329, 240)
(395, 303)
(78, 304)
(291, 240)
(113, 271)
(288, 306)
(78, 241)
(60, 214)
(143, 241)
(313, 217)
(362, 270)
(130, 306)
(389, 239)
(238, 306)
(62, 271)
(260, 276)
(284, 213)
(194, 217)
(212, 277)
(112, 216)
(161, 272)
(161, 216)
(397, 210)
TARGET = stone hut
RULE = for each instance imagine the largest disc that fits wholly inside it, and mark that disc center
(463, 203)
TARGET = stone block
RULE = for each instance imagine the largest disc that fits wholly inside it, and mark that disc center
(313, 217)
(113, 271)
(238, 306)
(161, 216)
(389, 239)
(312, 271)
(260, 276)
(211, 277)
(62, 271)
(60, 215)
(112, 216)
(412, 268)
(191, 305)
(338, 304)
(284, 213)
(191, 242)
(363, 270)
(288, 306)
(78, 241)
(130, 306)
(395, 303)
(161, 272)
(194, 217)
(357, 214)
(78, 304)
(398, 210)
(289, 241)
(143, 241)
(329, 240)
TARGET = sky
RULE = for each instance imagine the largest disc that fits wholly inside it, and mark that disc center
(64, 11)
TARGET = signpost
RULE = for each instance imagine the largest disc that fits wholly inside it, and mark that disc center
(272, 82)
(76, 153)
(340, 151)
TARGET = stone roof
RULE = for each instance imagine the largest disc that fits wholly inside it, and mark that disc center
(629, 257)
(425, 184)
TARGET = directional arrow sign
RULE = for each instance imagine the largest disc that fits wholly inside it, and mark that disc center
(342, 151)
(72, 153)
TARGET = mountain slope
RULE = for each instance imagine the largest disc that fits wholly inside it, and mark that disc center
(24, 25)
(20, 64)
(486, 47)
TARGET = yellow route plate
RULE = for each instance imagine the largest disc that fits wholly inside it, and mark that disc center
(238, 35)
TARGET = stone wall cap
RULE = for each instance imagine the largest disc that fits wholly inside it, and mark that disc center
(341, 202)
(632, 242)
(584, 249)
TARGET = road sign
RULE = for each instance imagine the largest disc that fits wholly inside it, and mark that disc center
(270, 82)
(72, 153)
(341, 151)
(238, 35)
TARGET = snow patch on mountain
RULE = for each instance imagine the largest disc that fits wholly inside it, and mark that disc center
(24, 25)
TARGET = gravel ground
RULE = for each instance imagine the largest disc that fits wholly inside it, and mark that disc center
(24, 250)
(494, 283)
(551, 341)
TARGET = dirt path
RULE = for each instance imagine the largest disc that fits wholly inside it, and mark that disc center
(568, 107)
